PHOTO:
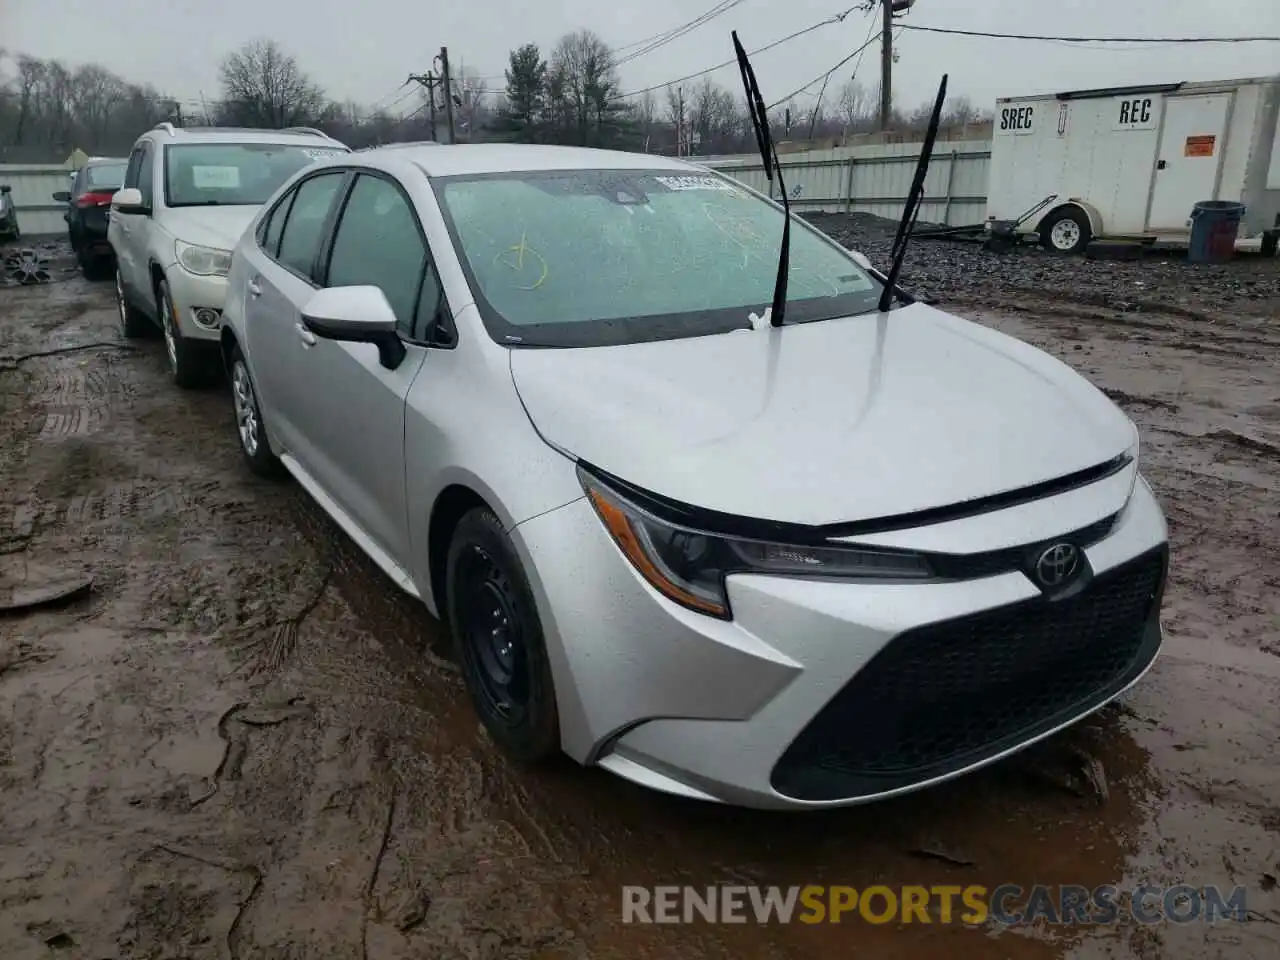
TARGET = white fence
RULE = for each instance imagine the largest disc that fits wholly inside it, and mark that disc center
(875, 179)
(33, 186)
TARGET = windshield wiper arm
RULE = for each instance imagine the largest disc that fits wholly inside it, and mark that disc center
(912, 209)
(760, 121)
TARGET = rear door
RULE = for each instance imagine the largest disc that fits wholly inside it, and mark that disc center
(1189, 158)
(352, 423)
(280, 281)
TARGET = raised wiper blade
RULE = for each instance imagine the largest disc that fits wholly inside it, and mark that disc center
(912, 209)
(760, 122)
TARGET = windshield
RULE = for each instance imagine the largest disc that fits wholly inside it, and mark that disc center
(105, 175)
(595, 257)
(226, 174)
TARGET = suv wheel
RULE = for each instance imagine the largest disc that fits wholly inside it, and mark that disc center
(499, 639)
(189, 365)
(132, 323)
(249, 427)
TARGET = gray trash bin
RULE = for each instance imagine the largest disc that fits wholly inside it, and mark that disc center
(1214, 227)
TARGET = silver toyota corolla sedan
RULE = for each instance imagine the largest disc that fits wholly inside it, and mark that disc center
(802, 565)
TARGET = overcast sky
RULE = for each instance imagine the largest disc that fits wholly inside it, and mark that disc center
(363, 49)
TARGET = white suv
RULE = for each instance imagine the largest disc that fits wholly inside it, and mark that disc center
(188, 195)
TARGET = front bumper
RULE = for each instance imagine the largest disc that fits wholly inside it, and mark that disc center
(826, 693)
(198, 302)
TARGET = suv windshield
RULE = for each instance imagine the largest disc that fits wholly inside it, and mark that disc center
(105, 175)
(595, 257)
(223, 174)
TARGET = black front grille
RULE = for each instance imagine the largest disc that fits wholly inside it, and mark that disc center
(944, 696)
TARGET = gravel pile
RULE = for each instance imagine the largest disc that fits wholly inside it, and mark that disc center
(962, 271)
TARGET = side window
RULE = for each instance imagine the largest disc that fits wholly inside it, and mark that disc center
(378, 243)
(269, 237)
(145, 168)
(300, 238)
(131, 171)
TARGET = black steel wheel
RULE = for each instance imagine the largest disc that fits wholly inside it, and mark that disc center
(499, 639)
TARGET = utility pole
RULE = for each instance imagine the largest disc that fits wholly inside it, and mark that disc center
(447, 84)
(680, 132)
(428, 80)
(886, 64)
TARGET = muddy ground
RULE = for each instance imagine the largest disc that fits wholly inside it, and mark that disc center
(245, 743)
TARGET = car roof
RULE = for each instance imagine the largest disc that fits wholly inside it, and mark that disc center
(104, 161)
(169, 134)
(473, 158)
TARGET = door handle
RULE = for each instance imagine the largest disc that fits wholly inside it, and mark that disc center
(254, 289)
(306, 336)
(1160, 165)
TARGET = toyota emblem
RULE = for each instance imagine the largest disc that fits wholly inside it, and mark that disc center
(1057, 565)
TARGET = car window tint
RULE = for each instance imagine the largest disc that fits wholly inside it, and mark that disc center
(301, 237)
(131, 172)
(104, 175)
(378, 243)
(275, 224)
(144, 174)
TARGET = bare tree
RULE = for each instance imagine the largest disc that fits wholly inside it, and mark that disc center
(678, 117)
(856, 107)
(262, 86)
(473, 109)
(582, 63)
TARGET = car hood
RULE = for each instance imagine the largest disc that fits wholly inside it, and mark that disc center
(219, 227)
(843, 420)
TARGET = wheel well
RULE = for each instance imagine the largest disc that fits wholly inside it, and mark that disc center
(1075, 207)
(451, 506)
(227, 341)
(156, 276)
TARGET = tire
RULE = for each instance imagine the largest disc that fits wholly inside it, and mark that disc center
(190, 362)
(495, 625)
(249, 424)
(1066, 231)
(132, 322)
(93, 266)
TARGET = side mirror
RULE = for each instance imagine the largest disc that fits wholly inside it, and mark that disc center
(356, 315)
(129, 200)
(861, 260)
(63, 196)
(6, 188)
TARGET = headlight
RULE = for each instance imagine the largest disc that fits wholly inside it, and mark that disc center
(689, 566)
(203, 261)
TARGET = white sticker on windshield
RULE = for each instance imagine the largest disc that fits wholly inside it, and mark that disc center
(696, 183)
(320, 154)
(215, 178)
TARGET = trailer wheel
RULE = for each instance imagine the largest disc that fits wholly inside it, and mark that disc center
(1066, 231)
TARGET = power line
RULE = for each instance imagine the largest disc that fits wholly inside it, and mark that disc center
(723, 7)
(1030, 36)
(861, 51)
(822, 76)
(837, 18)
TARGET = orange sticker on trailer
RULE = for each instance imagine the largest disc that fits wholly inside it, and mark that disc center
(1200, 146)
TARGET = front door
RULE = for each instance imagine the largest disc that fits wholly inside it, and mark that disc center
(353, 428)
(1190, 154)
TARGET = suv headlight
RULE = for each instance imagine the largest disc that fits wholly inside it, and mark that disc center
(689, 566)
(203, 261)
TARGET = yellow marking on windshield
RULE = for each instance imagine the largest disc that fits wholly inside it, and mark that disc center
(516, 263)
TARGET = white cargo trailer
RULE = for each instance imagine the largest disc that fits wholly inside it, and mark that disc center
(1131, 162)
